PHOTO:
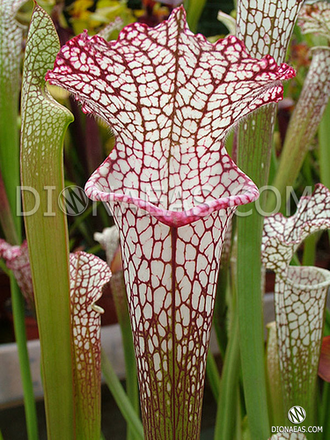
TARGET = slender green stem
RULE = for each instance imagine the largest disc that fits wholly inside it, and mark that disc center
(23, 355)
(323, 136)
(121, 398)
(3, 267)
(251, 324)
(227, 403)
(254, 141)
(213, 375)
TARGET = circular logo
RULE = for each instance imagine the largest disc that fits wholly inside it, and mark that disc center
(296, 414)
(73, 200)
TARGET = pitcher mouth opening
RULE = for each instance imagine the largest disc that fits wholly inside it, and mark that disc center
(173, 217)
(178, 196)
(315, 277)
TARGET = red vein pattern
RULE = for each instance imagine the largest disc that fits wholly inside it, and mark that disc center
(282, 236)
(11, 32)
(170, 98)
(289, 436)
(315, 18)
(17, 260)
(88, 274)
(300, 296)
(312, 101)
(300, 299)
(273, 374)
(266, 26)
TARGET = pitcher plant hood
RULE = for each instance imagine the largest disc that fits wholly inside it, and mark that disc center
(170, 97)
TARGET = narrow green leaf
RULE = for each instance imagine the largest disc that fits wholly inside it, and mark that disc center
(213, 374)
(44, 123)
(6, 217)
(254, 158)
(194, 10)
(309, 250)
(324, 136)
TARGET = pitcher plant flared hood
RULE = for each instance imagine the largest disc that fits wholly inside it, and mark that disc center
(170, 98)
